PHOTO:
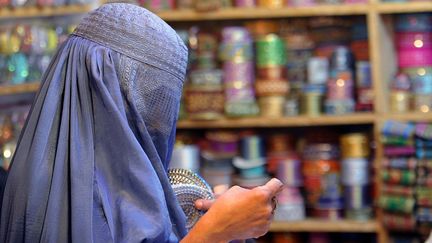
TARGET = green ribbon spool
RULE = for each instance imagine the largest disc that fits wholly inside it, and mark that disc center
(270, 51)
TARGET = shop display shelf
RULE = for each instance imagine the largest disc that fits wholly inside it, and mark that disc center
(297, 121)
(323, 225)
(19, 88)
(34, 11)
(411, 116)
(255, 13)
(407, 7)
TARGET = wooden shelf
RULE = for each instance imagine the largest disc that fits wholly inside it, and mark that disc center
(299, 121)
(254, 13)
(19, 88)
(412, 116)
(29, 12)
(320, 225)
(408, 7)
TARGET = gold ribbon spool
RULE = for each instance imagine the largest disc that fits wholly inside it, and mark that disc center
(222, 136)
(271, 3)
(311, 104)
(422, 103)
(204, 104)
(354, 145)
(400, 101)
(271, 106)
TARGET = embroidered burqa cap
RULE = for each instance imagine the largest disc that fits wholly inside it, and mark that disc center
(91, 161)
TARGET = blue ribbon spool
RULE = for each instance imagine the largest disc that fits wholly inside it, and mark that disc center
(337, 107)
(355, 171)
(394, 128)
(417, 22)
(253, 172)
(250, 168)
(421, 79)
(356, 197)
(359, 31)
(18, 67)
(252, 147)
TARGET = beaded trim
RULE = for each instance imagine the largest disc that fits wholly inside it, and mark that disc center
(137, 33)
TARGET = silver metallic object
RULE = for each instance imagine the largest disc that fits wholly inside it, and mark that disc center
(189, 187)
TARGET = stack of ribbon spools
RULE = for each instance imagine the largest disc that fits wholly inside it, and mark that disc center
(414, 52)
(236, 52)
(398, 176)
(217, 157)
(299, 47)
(286, 165)
(321, 171)
(40, 3)
(340, 86)
(204, 93)
(11, 124)
(424, 177)
(400, 93)
(26, 49)
(251, 164)
(185, 156)
(313, 91)
(271, 85)
(355, 176)
(359, 45)
(329, 33)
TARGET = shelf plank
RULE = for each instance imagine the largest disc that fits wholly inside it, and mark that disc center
(19, 88)
(412, 116)
(35, 11)
(254, 13)
(321, 225)
(408, 7)
(299, 121)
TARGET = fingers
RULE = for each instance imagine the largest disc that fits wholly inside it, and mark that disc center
(203, 204)
(220, 189)
(274, 186)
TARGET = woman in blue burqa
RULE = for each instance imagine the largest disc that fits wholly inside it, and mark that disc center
(91, 164)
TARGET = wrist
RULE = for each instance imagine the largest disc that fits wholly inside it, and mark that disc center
(205, 231)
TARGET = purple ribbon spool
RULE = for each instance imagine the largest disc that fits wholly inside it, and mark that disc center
(289, 172)
(243, 72)
(393, 151)
(245, 94)
(235, 34)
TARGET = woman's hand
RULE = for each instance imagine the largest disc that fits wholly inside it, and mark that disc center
(237, 214)
(204, 204)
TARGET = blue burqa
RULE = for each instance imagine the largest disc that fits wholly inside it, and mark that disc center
(92, 159)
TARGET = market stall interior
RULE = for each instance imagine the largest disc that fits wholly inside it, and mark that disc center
(333, 97)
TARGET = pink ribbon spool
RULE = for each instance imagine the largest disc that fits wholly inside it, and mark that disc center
(340, 89)
(245, 3)
(414, 40)
(157, 5)
(413, 57)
